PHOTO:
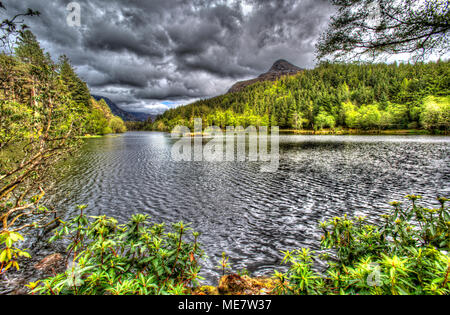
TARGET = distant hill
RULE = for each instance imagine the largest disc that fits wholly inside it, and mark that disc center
(330, 96)
(279, 69)
(125, 115)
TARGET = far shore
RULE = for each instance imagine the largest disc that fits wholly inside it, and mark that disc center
(354, 132)
(366, 132)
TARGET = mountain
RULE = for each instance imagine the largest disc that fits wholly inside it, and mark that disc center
(117, 111)
(279, 69)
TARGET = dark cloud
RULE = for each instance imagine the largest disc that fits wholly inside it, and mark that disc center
(141, 53)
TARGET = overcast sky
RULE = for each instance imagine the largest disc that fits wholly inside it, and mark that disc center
(149, 55)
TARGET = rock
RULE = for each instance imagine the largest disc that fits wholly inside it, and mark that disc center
(21, 290)
(54, 263)
(206, 290)
(237, 285)
(232, 284)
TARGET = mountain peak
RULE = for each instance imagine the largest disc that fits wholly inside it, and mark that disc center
(279, 69)
(283, 66)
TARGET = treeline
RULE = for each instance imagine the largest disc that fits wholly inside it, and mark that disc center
(29, 78)
(45, 109)
(139, 125)
(357, 96)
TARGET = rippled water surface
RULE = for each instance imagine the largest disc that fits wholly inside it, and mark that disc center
(252, 215)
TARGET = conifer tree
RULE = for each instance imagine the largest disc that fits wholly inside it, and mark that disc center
(77, 89)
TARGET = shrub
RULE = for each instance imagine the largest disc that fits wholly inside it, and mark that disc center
(436, 113)
(98, 123)
(136, 258)
(117, 125)
(407, 254)
(324, 120)
(10, 254)
(371, 117)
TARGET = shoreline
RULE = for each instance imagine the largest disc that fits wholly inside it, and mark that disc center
(337, 132)
(361, 132)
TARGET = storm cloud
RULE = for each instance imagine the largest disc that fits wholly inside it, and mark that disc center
(150, 55)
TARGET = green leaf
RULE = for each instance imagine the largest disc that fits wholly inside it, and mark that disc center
(3, 256)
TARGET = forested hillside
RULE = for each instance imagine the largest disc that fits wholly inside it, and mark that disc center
(124, 115)
(357, 96)
(32, 86)
(45, 110)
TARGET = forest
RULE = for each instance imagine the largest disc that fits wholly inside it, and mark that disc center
(32, 85)
(45, 112)
(333, 95)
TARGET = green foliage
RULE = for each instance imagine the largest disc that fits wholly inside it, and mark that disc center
(224, 264)
(324, 120)
(366, 96)
(29, 51)
(117, 125)
(39, 125)
(98, 123)
(75, 87)
(436, 113)
(101, 121)
(44, 109)
(406, 254)
(370, 116)
(10, 254)
(135, 258)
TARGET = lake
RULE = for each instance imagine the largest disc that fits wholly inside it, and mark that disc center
(250, 215)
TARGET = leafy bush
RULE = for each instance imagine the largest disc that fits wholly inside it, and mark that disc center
(136, 258)
(407, 254)
(10, 254)
(324, 120)
(117, 125)
(44, 109)
(102, 121)
(436, 113)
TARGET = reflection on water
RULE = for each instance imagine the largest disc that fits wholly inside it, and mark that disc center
(252, 215)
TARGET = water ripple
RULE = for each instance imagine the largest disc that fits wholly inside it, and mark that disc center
(248, 214)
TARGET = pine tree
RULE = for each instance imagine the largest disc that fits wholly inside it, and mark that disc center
(29, 50)
(77, 89)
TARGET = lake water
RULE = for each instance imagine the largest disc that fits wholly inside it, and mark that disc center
(248, 214)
